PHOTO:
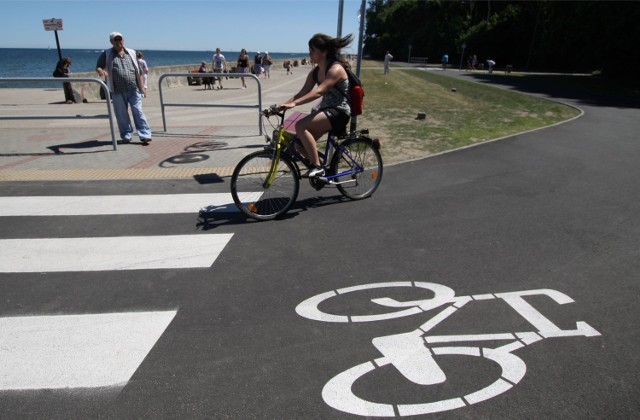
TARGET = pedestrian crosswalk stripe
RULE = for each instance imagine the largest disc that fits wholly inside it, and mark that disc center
(76, 351)
(110, 253)
(117, 204)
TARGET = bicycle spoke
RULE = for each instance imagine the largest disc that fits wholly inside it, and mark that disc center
(362, 163)
(267, 202)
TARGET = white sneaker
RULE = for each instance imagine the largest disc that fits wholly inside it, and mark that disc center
(314, 173)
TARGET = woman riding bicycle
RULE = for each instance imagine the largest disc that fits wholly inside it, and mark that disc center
(332, 82)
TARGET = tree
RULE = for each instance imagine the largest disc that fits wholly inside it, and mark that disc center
(582, 36)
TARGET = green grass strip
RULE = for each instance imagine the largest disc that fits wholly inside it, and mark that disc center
(458, 112)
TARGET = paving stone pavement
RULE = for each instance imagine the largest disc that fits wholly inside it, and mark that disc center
(198, 141)
(63, 154)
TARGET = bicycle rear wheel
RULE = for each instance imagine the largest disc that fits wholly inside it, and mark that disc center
(363, 156)
(248, 188)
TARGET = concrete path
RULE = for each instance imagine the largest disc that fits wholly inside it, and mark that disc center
(198, 140)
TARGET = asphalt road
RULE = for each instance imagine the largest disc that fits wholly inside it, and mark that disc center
(551, 214)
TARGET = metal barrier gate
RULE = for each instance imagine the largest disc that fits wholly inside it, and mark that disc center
(247, 75)
(103, 86)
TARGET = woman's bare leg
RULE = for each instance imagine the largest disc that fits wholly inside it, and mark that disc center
(308, 130)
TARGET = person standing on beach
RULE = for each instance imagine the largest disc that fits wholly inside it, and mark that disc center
(63, 70)
(124, 78)
(243, 65)
(219, 66)
(257, 64)
(266, 65)
(144, 69)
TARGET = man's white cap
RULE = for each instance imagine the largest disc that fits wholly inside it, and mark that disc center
(266, 52)
(113, 35)
(258, 52)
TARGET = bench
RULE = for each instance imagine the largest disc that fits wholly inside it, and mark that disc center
(193, 80)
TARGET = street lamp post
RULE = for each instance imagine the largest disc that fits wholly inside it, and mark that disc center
(340, 13)
(363, 7)
(464, 46)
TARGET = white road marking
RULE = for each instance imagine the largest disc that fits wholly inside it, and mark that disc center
(111, 253)
(94, 350)
(413, 355)
(76, 351)
(117, 204)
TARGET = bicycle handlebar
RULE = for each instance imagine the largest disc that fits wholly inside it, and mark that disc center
(274, 110)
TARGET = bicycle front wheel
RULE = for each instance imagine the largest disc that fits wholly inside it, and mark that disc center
(362, 164)
(251, 193)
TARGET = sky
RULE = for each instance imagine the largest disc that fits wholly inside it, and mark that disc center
(257, 25)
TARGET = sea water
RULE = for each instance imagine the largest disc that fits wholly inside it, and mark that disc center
(34, 62)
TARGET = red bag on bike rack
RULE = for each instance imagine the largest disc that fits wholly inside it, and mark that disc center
(357, 98)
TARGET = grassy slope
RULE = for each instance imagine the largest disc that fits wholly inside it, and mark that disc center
(472, 113)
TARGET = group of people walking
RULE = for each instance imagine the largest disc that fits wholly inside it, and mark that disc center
(261, 65)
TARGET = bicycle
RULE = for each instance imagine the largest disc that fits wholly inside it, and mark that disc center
(416, 354)
(266, 183)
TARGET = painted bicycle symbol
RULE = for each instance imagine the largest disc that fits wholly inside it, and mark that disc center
(414, 354)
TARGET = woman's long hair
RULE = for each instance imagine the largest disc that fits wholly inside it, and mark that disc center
(332, 46)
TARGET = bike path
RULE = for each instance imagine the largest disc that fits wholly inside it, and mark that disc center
(553, 210)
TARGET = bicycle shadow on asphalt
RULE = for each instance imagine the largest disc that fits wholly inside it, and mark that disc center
(217, 217)
(315, 202)
(200, 151)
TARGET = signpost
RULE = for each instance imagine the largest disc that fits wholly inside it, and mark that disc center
(54, 25)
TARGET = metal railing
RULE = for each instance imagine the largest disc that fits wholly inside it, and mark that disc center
(247, 75)
(103, 86)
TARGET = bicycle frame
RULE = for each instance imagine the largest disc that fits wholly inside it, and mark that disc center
(281, 137)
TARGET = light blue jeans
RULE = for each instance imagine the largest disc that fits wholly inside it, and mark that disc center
(121, 102)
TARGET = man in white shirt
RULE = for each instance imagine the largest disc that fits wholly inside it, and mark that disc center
(219, 65)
